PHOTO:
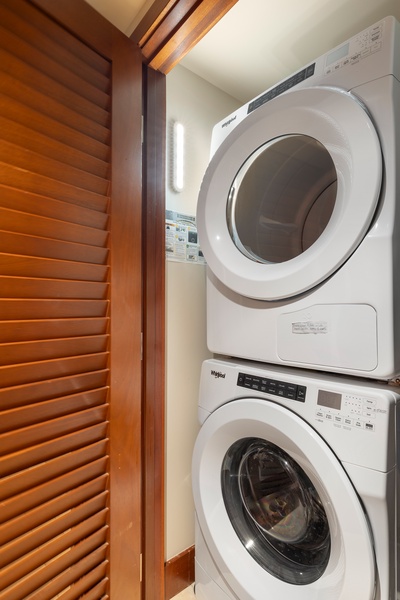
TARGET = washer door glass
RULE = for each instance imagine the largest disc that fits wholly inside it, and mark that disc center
(276, 508)
(282, 199)
(275, 511)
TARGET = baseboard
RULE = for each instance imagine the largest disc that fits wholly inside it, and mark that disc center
(179, 573)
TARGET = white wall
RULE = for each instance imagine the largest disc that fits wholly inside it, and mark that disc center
(198, 105)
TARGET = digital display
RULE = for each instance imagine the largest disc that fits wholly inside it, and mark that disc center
(329, 399)
(337, 54)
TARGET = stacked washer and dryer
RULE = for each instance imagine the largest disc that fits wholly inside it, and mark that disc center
(295, 468)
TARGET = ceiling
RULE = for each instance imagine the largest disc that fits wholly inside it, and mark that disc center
(259, 42)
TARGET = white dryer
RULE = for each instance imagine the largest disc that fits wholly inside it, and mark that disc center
(299, 220)
(294, 480)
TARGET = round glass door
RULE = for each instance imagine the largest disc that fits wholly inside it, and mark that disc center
(290, 194)
(275, 511)
(282, 199)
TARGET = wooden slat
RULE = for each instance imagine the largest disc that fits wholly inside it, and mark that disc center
(60, 36)
(54, 210)
(43, 390)
(19, 330)
(18, 483)
(30, 245)
(27, 181)
(51, 309)
(29, 520)
(59, 93)
(91, 569)
(27, 266)
(51, 528)
(22, 287)
(41, 350)
(96, 592)
(58, 555)
(24, 29)
(50, 409)
(18, 90)
(23, 374)
(26, 137)
(23, 158)
(51, 489)
(56, 229)
(69, 433)
(96, 152)
(59, 72)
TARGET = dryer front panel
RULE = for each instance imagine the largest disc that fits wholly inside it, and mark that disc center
(290, 193)
(277, 510)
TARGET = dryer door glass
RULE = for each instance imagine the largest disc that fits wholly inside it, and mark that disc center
(290, 194)
(282, 199)
(275, 511)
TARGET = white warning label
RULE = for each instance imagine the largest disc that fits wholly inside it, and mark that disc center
(310, 327)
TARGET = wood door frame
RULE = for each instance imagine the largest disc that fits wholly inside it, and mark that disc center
(174, 26)
(154, 333)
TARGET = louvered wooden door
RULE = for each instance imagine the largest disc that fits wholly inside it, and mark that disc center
(70, 305)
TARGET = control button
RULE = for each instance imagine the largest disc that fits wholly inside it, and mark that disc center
(369, 414)
(376, 47)
(301, 393)
(369, 402)
(272, 386)
(319, 414)
(329, 417)
(281, 389)
(370, 426)
(348, 421)
(240, 380)
(338, 419)
(358, 424)
(247, 381)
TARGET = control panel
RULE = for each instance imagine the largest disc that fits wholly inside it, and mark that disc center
(347, 410)
(360, 46)
(272, 386)
(284, 86)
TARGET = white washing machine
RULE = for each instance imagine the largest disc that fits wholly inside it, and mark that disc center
(298, 216)
(295, 479)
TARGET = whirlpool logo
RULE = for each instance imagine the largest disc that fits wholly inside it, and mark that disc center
(228, 122)
(218, 374)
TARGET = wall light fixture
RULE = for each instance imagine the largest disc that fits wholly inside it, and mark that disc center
(178, 155)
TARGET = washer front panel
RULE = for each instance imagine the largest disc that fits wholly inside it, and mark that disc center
(305, 171)
(350, 569)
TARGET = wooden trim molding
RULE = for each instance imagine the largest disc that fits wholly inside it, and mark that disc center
(179, 573)
(154, 332)
(171, 29)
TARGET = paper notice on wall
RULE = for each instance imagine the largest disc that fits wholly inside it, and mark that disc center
(181, 240)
